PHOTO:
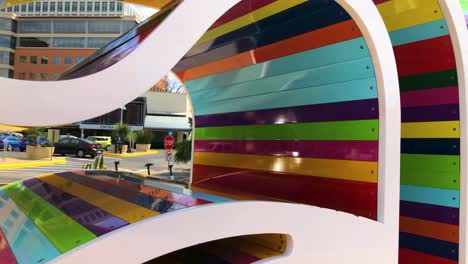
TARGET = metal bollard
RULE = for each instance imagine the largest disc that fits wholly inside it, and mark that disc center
(148, 165)
(116, 163)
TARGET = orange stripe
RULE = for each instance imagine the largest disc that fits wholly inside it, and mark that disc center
(315, 39)
(429, 229)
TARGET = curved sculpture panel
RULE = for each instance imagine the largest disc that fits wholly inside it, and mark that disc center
(295, 101)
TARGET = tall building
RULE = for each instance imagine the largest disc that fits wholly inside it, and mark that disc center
(40, 40)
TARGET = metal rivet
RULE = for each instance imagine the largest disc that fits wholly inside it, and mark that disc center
(372, 171)
(453, 198)
(435, 11)
(441, 27)
(454, 146)
(454, 181)
(454, 163)
(39, 261)
(372, 87)
(362, 47)
(373, 129)
(367, 67)
(454, 129)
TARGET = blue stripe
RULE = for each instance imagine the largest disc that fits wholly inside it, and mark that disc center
(329, 55)
(26, 241)
(209, 197)
(428, 195)
(420, 32)
(429, 246)
(338, 92)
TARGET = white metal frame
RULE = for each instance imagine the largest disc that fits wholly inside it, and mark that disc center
(455, 19)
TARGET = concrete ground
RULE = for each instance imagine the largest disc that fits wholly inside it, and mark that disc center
(132, 164)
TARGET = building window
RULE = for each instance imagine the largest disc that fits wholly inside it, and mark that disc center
(43, 76)
(97, 6)
(128, 25)
(104, 6)
(89, 7)
(5, 41)
(32, 76)
(33, 59)
(6, 73)
(78, 59)
(119, 7)
(17, 8)
(23, 59)
(6, 58)
(69, 42)
(57, 60)
(67, 60)
(52, 6)
(74, 6)
(67, 6)
(44, 60)
(112, 6)
(100, 27)
(45, 7)
(98, 42)
(6, 24)
(38, 26)
(24, 7)
(38, 6)
(60, 6)
(31, 7)
(34, 42)
(82, 6)
(61, 26)
(55, 76)
(22, 76)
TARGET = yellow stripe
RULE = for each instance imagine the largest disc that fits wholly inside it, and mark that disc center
(259, 14)
(448, 129)
(127, 211)
(399, 14)
(364, 171)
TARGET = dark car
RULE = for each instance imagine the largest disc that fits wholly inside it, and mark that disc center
(30, 140)
(78, 147)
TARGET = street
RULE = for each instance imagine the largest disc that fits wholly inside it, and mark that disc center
(133, 164)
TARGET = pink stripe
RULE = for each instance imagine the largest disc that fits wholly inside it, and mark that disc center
(436, 96)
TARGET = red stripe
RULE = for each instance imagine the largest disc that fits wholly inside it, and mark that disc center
(240, 9)
(358, 198)
(408, 256)
(6, 255)
(425, 56)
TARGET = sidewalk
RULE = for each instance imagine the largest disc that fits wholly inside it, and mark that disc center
(133, 154)
(181, 176)
(17, 163)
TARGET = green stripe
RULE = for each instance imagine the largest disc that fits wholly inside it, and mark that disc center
(428, 80)
(436, 171)
(60, 229)
(342, 130)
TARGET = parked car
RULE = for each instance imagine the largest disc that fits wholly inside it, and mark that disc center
(78, 147)
(10, 142)
(66, 136)
(105, 142)
(30, 140)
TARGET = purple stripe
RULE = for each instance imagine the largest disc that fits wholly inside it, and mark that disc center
(325, 149)
(342, 111)
(430, 212)
(430, 113)
(94, 219)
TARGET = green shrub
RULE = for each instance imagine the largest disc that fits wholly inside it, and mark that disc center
(123, 131)
(183, 151)
(144, 137)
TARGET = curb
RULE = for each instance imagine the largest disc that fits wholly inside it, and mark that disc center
(32, 164)
(135, 154)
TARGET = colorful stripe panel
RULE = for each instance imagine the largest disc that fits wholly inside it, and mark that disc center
(284, 93)
(430, 146)
(44, 217)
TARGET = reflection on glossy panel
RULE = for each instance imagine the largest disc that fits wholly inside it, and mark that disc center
(26, 241)
(94, 219)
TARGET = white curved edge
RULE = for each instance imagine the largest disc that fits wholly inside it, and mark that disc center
(62, 102)
(456, 23)
(318, 235)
